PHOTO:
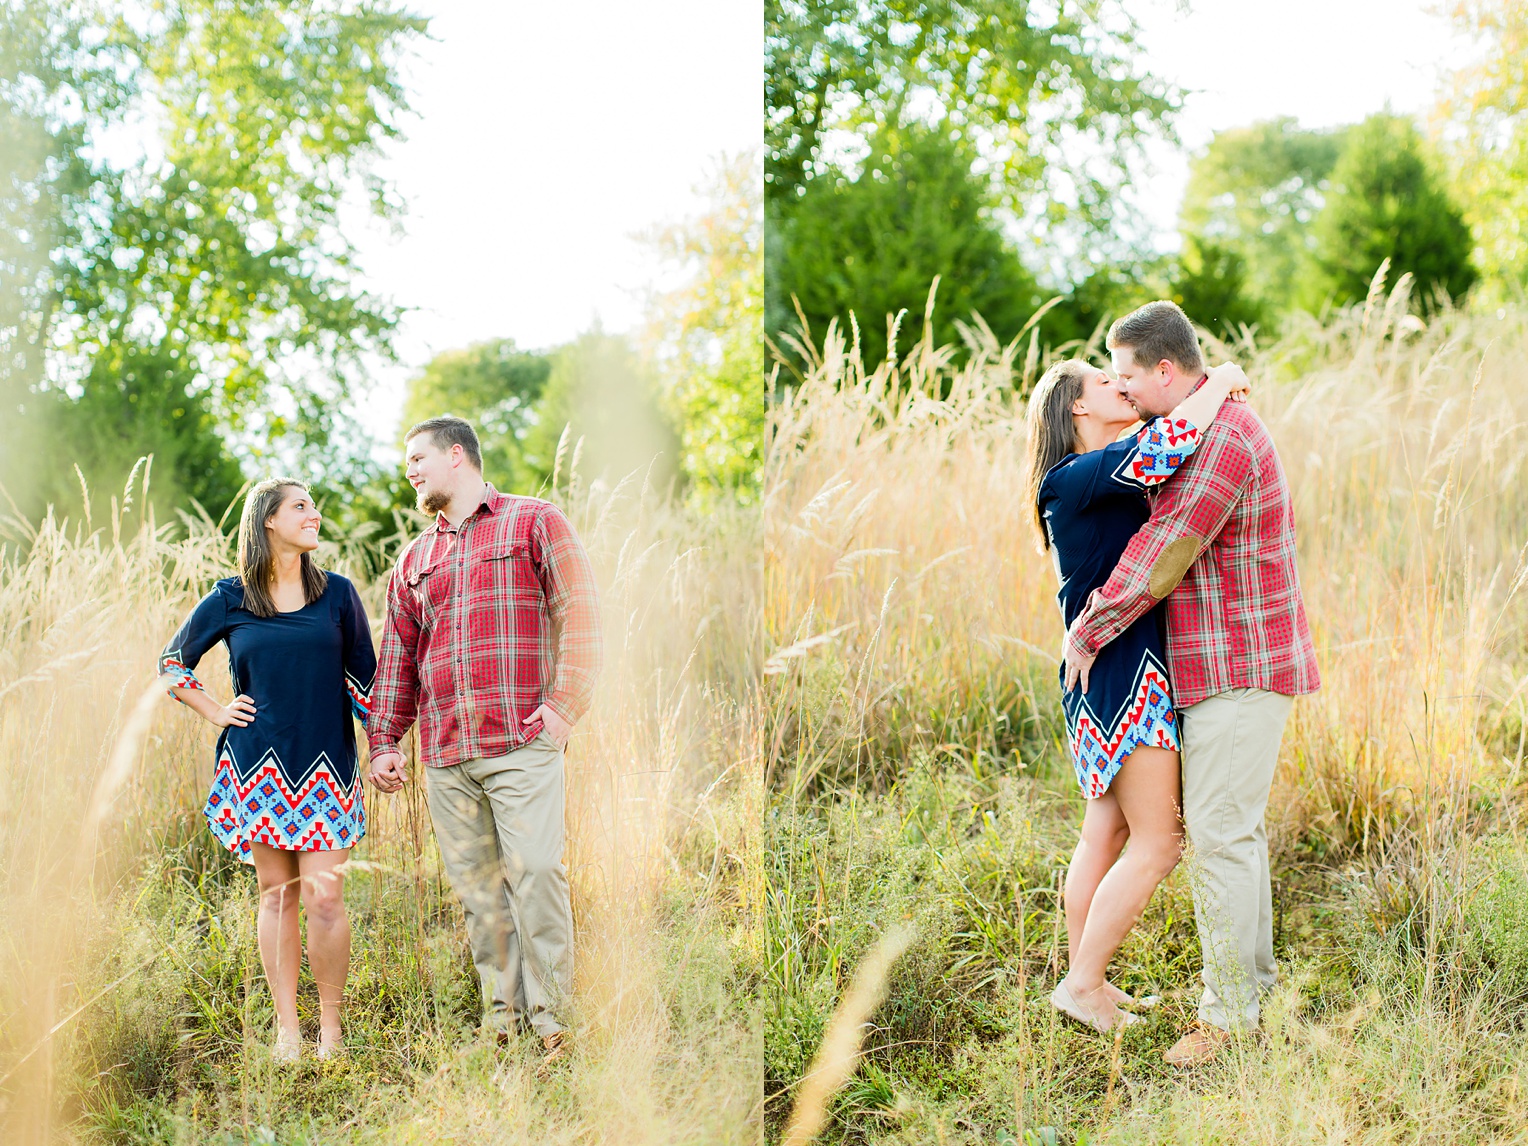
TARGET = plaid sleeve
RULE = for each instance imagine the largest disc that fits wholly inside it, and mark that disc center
(573, 602)
(395, 690)
(1189, 513)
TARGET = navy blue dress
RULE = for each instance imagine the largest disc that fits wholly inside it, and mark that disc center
(1092, 505)
(289, 778)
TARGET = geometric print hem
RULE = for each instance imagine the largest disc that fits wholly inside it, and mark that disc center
(318, 816)
(1148, 719)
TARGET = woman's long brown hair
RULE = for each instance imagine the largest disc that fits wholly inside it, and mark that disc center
(256, 565)
(1051, 435)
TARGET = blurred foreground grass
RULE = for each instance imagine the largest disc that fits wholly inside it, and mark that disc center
(916, 766)
(132, 1007)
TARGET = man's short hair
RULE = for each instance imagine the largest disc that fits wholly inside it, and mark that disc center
(1156, 331)
(447, 431)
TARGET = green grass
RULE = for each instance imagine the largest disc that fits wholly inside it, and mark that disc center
(966, 1048)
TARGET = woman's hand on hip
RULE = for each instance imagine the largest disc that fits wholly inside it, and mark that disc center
(240, 711)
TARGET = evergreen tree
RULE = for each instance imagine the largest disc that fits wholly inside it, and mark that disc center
(1211, 286)
(1386, 202)
(873, 245)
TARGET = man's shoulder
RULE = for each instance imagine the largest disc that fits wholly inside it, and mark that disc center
(520, 515)
(1240, 420)
(412, 550)
(522, 503)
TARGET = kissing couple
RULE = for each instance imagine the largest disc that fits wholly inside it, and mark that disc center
(1186, 640)
(491, 646)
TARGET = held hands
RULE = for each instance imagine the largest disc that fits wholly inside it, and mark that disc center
(387, 773)
(556, 727)
(239, 711)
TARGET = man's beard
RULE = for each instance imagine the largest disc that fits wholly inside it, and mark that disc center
(433, 502)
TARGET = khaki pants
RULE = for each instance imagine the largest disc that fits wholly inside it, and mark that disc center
(1230, 747)
(499, 824)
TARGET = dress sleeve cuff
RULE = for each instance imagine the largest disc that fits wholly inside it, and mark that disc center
(1161, 447)
(178, 676)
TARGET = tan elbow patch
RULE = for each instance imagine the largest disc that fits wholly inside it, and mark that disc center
(1170, 566)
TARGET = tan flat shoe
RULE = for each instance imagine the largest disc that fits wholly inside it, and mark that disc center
(1202, 1043)
(1065, 1002)
(286, 1048)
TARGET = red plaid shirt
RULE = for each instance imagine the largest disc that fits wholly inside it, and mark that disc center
(485, 623)
(1236, 619)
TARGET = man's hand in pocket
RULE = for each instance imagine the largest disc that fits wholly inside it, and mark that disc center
(556, 727)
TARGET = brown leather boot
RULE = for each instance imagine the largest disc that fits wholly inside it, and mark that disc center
(556, 1048)
(1202, 1043)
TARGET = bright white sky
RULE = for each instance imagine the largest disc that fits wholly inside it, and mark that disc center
(546, 136)
(1325, 62)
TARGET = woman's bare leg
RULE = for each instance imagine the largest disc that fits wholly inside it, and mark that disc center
(1103, 837)
(1146, 791)
(323, 897)
(280, 940)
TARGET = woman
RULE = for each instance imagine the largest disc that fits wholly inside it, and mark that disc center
(286, 792)
(1087, 493)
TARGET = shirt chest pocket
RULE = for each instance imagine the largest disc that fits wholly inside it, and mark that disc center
(429, 589)
(506, 573)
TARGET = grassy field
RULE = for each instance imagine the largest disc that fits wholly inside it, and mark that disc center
(132, 1008)
(917, 775)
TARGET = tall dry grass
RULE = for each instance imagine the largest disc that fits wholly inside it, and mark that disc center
(131, 1002)
(906, 605)
(917, 768)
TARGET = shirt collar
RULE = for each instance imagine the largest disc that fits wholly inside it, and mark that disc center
(492, 501)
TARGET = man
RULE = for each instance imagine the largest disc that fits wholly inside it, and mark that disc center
(492, 642)
(1220, 548)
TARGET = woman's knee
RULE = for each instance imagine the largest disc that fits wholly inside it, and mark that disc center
(278, 897)
(1105, 834)
(1160, 853)
(323, 897)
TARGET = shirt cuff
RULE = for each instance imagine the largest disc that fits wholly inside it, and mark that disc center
(562, 706)
(381, 744)
(1078, 644)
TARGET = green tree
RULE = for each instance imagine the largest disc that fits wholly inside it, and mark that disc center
(603, 407)
(873, 245)
(706, 336)
(1386, 202)
(1251, 200)
(211, 275)
(1030, 78)
(1486, 139)
(1211, 286)
(495, 386)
